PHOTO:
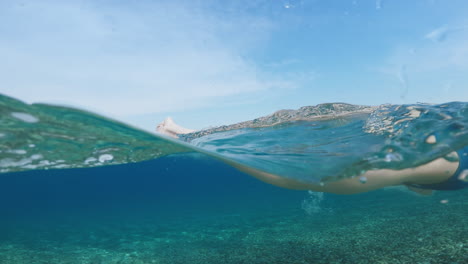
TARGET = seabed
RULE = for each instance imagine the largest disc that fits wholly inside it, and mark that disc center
(383, 227)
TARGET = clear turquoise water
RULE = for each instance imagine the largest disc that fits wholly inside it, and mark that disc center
(166, 203)
(312, 144)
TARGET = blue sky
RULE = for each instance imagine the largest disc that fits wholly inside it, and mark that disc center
(209, 63)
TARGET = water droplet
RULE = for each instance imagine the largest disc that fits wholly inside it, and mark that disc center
(44, 163)
(438, 34)
(17, 151)
(445, 201)
(31, 145)
(25, 117)
(403, 78)
(431, 139)
(378, 4)
(105, 157)
(362, 179)
(36, 156)
(89, 160)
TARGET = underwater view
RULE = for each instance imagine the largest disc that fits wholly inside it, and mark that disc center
(233, 132)
(80, 188)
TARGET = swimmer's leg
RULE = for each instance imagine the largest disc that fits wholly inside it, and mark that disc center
(170, 128)
(432, 172)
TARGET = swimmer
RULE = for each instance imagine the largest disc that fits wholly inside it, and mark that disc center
(439, 174)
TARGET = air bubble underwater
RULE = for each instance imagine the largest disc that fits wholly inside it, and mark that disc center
(363, 179)
(463, 176)
(391, 157)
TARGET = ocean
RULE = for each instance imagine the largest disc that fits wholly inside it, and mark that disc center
(76, 187)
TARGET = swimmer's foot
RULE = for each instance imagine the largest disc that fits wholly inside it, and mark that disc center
(425, 192)
(170, 128)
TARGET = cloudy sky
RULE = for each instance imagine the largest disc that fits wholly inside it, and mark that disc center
(207, 62)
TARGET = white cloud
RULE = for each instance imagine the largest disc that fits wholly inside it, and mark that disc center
(128, 60)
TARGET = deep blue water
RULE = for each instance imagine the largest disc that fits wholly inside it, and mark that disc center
(173, 185)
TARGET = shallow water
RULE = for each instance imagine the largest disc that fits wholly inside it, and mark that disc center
(168, 203)
(193, 209)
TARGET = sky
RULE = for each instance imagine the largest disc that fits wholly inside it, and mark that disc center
(207, 63)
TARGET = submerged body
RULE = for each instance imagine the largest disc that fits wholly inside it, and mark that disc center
(437, 174)
(433, 174)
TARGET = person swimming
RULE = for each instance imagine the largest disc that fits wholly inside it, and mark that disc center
(439, 174)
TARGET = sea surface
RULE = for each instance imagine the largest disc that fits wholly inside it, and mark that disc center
(76, 187)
